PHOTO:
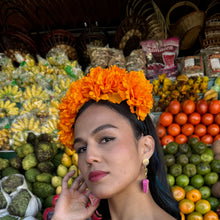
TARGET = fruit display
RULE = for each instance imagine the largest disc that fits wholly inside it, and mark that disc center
(190, 119)
(193, 174)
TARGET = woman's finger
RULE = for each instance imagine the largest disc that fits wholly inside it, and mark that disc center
(66, 179)
(77, 182)
(82, 187)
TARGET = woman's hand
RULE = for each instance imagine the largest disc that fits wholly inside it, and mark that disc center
(73, 202)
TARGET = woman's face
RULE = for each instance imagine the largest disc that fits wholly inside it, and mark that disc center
(109, 155)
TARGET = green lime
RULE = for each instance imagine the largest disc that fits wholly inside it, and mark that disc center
(182, 159)
(170, 179)
(175, 170)
(184, 148)
(188, 188)
(206, 157)
(205, 192)
(215, 166)
(169, 159)
(209, 151)
(192, 141)
(189, 170)
(199, 147)
(213, 202)
(195, 159)
(182, 180)
(197, 181)
(211, 178)
(203, 168)
(171, 148)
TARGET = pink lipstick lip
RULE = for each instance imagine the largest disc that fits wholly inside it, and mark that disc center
(95, 176)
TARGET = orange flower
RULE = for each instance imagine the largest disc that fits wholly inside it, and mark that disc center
(113, 84)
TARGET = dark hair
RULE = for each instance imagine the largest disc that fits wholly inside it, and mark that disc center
(157, 176)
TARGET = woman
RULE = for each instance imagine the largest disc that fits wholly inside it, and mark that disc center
(104, 117)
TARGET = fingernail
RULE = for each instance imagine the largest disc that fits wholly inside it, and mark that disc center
(94, 200)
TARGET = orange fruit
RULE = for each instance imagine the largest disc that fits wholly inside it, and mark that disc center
(174, 107)
(194, 195)
(195, 216)
(173, 129)
(203, 206)
(181, 118)
(165, 119)
(210, 215)
(161, 130)
(178, 193)
(186, 206)
(188, 106)
(167, 139)
(180, 139)
(187, 129)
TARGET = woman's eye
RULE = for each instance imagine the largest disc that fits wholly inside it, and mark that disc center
(106, 139)
(81, 150)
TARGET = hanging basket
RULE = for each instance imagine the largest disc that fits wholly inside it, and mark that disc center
(60, 39)
(188, 27)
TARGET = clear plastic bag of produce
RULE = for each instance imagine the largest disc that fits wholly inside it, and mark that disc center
(5, 201)
(73, 69)
(116, 58)
(211, 58)
(57, 57)
(5, 136)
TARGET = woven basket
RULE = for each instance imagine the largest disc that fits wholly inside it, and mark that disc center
(213, 22)
(211, 42)
(60, 39)
(188, 27)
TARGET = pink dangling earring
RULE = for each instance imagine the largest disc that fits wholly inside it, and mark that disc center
(145, 182)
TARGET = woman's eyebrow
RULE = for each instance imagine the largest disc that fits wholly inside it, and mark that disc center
(102, 127)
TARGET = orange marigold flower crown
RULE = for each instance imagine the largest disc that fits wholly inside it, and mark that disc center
(113, 84)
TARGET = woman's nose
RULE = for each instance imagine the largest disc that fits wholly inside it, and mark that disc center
(92, 154)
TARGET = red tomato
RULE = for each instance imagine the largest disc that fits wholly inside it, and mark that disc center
(180, 139)
(217, 119)
(217, 137)
(167, 139)
(173, 129)
(194, 118)
(207, 139)
(194, 135)
(207, 119)
(200, 130)
(187, 129)
(188, 106)
(214, 106)
(165, 119)
(174, 107)
(181, 118)
(213, 129)
(161, 130)
(202, 106)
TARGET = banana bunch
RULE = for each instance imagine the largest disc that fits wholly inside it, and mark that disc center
(5, 135)
(34, 105)
(54, 108)
(64, 85)
(25, 124)
(35, 92)
(8, 108)
(50, 127)
(19, 138)
(11, 92)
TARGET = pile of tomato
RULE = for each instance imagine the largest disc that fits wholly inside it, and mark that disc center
(188, 119)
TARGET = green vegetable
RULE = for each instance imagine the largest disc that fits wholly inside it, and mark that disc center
(27, 149)
(48, 202)
(19, 152)
(31, 139)
(16, 162)
(8, 217)
(4, 163)
(30, 175)
(43, 190)
(44, 152)
(46, 167)
(57, 159)
(11, 183)
(44, 177)
(9, 171)
(19, 204)
(44, 138)
(29, 161)
(3, 201)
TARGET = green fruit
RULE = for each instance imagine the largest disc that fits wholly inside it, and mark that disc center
(197, 181)
(189, 170)
(170, 179)
(203, 168)
(175, 170)
(182, 180)
(182, 159)
(192, 141)
(205, 157)
(213, 202)
(169, 159)
(211, 178)
(199, 147)
(171, 148)
(215, 166)
(209, 151)
(62, 170)
(56, 181)
(195, 159)
(188, 188)
(205, 192)
(184, 148)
